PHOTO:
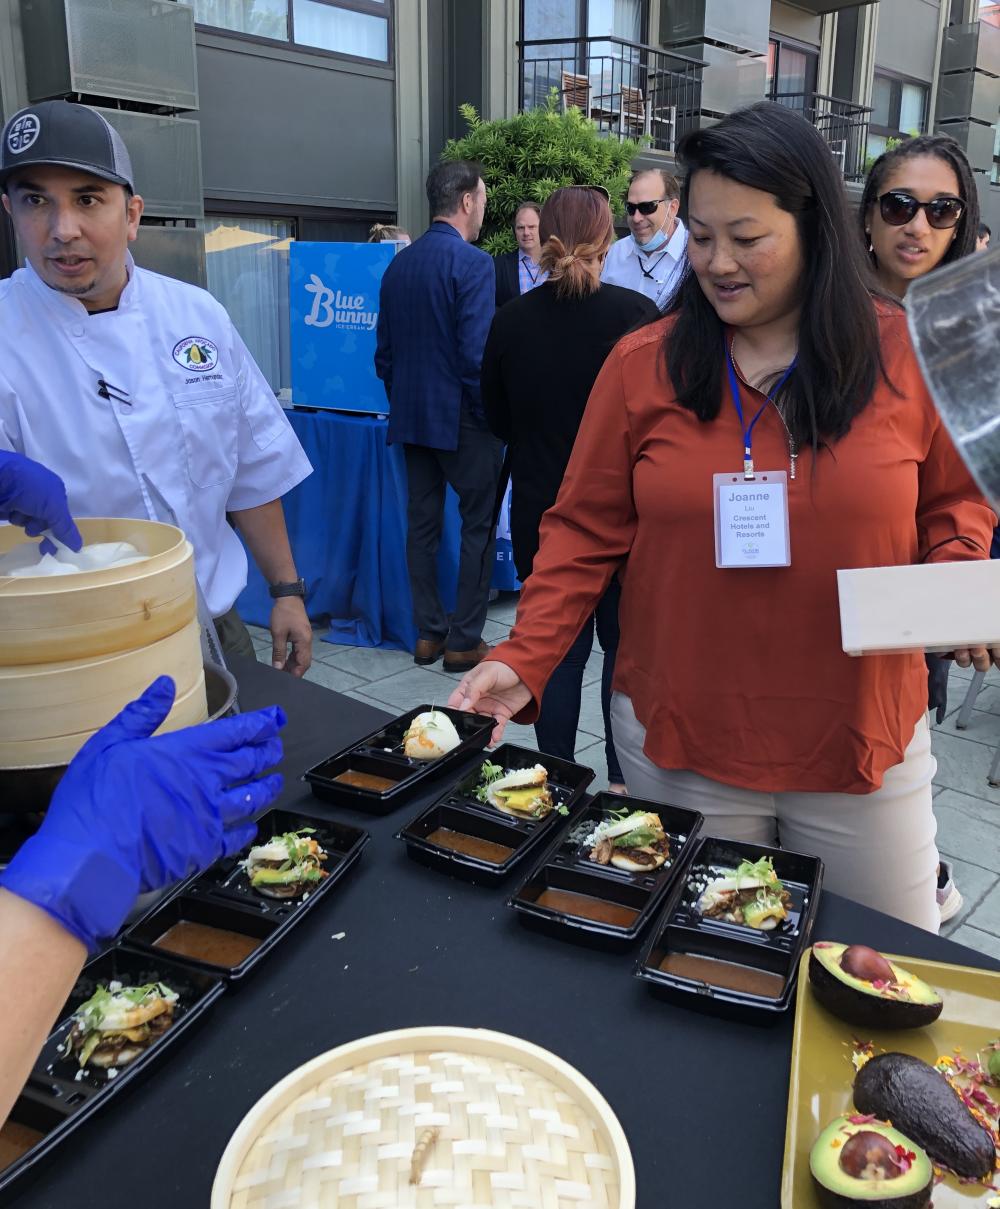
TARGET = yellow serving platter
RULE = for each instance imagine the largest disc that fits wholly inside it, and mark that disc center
(819, 1087)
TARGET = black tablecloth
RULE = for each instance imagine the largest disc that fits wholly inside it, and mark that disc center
(702, 1100)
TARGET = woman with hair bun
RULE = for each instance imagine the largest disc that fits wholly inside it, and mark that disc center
(544, 352)
(385, 233)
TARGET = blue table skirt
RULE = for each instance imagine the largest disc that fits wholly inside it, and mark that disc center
(347, 524)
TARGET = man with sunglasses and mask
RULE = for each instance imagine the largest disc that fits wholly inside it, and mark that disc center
(653, 258)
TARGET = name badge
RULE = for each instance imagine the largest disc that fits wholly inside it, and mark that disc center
(751, 520)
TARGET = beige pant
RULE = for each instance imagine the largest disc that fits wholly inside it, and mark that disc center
(877, 848)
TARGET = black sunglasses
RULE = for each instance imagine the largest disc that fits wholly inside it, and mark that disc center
(646, 208)
(898, 208)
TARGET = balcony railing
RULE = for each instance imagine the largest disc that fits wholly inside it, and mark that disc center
(630, 90)
(843, 124)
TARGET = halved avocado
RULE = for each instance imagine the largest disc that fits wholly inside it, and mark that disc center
(848, 1172)
(915, 1097)
(905, 1002)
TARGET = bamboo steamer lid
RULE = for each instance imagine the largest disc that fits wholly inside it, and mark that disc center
(73, 617)
(496, 1121)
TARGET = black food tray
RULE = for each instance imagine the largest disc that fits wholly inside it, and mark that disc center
(683, 930)
(222, 896)
(54, 1101)
(567, 867)
(460, 810)
(381, 754)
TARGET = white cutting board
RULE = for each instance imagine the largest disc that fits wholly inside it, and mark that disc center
(932, 607)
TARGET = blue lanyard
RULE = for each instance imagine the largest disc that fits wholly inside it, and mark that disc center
(734, 386)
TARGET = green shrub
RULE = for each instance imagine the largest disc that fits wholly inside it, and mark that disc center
(527, 157)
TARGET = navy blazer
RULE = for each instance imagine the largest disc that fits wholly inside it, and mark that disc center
(508, 278)
(435, 308)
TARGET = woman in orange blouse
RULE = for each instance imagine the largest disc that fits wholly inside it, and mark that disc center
(732, 692)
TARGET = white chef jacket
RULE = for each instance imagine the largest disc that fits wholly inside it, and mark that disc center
(624, 263)
(200, 434)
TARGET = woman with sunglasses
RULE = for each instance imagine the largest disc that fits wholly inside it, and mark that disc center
(772, 428)
(919, 210)
(543, 353)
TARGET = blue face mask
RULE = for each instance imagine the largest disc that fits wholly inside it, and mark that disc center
(655, 242)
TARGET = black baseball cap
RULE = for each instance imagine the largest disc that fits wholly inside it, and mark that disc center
(73, 136)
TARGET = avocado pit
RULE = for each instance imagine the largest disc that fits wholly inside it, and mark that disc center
(871, 1156)
(862, 962)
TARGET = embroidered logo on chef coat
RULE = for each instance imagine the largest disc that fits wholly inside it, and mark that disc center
(23, 133)
(197, 353)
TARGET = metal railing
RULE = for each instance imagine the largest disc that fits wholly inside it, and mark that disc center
(629, 89)
(843, 124)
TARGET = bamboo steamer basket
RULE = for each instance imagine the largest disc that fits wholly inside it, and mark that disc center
(49, 710)
(95, 613)
(518, 1128)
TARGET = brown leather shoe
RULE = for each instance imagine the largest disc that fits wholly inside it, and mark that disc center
(428, 650)
(465, 661)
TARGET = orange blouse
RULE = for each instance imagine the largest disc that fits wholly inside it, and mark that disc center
(738, 674)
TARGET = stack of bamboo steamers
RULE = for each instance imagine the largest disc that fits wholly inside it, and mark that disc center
(74, 649)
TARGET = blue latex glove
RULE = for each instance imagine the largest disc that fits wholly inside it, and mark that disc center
(135, 813)
(35, 499)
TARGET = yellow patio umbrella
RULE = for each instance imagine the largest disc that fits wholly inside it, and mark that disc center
(226, 238)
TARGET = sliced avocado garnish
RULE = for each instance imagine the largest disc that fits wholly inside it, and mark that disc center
(284, 877)
(860, 1161)
(862, 987)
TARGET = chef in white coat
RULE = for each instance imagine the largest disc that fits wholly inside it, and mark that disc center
(136, 388)
(653, 257)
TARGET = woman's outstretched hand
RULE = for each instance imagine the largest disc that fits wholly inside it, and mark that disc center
(491, 688)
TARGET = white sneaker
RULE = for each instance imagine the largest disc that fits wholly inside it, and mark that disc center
(950, 901)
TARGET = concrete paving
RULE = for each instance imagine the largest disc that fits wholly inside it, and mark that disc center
(967, 807)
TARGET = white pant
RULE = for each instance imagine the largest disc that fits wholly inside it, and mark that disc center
(877, 848)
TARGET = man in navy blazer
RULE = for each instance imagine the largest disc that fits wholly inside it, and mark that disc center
(435, 309)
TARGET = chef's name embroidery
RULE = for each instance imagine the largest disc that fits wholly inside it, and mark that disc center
(331, 307)
(196, 353)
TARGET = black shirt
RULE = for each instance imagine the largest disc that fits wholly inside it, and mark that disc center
(542, 357)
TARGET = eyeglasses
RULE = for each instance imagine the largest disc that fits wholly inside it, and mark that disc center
(898, 208)
(593, 189)
(647, 207)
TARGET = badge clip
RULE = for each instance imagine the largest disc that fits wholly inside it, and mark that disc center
(748, 472)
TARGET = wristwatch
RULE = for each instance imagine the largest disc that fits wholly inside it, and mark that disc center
(298, 588)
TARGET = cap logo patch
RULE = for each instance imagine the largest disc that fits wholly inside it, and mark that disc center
(197, 353)
(23, 133)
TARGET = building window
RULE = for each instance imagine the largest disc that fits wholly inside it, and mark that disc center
(583, 19)
(246, 263)
(792, 69)
(899, 109)
(358, 28)
(995, 174)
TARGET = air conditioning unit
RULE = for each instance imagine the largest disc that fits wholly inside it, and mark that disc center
(173, 251)
(126, 50)
(166, 161)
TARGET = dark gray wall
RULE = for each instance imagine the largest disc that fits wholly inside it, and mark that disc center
(907, 37)
(455, 60)
(794, 23)
(466, 58)
(845, 82)
(283, 127)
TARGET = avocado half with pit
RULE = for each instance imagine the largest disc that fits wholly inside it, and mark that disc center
(859, 985)
(856, 1162)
